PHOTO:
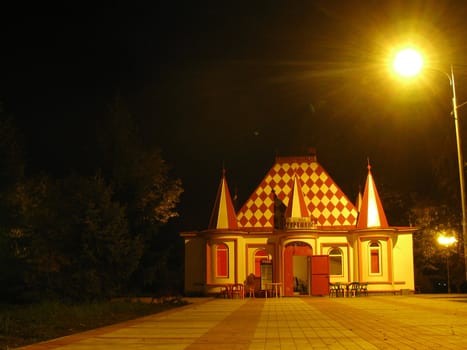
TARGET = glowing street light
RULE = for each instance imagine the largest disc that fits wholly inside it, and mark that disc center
(408, 63)
(447, 241)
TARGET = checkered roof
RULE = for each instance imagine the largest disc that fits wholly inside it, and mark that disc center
(326, 202)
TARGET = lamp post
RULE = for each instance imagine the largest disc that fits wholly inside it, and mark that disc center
(460, 160)
(447, 241)
(408, 63)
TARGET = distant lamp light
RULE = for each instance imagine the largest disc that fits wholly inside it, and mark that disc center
(446, 240)
(408, 62)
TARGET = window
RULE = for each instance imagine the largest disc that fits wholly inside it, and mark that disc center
(259, 256)
(222, 263)
(375, 258)
(335, 262)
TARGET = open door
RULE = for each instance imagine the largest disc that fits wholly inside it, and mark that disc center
(296, 267)
(320, 275)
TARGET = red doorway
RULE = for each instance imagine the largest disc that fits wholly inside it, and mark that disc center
(310, 275)
(295, 276)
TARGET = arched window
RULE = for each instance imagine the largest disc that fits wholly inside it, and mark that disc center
(335, 262)
(375, 258)
(260, 255)
(222, 260)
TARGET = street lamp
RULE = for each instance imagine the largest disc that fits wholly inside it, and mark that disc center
(447, 241)
(408, 63)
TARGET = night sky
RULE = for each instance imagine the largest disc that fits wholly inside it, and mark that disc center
(234, 84)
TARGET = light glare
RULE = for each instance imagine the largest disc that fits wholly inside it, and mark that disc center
(408, 62)
(446, 241)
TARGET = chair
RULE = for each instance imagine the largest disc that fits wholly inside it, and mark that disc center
(237, 289)
(225, 292)
(341, 288)
(364, 289)
(333, 290)
(354, 289)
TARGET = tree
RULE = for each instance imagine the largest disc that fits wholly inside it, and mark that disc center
(106, 253)
(138, 173)
(429, 256)
(143, 183)
(72, 233)
(11, 171)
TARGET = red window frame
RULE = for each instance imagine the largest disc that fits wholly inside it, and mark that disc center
(222, 260)
(375, 258)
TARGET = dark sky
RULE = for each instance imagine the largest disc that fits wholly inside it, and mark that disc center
(218, 83)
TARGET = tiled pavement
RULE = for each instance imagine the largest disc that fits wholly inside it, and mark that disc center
(374, 322)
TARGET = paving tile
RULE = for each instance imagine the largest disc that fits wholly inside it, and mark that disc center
(374, 322)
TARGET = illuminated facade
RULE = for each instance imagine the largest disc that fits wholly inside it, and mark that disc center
(298, 228)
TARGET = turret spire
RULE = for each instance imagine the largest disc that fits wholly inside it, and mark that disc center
(371, 211)
(223, 214)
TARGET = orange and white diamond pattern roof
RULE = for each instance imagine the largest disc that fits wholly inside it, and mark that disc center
(326, 202)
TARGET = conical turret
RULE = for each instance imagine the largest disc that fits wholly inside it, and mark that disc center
(371, 211)
(223, 214)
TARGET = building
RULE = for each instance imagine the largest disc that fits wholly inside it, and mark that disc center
(299, 229)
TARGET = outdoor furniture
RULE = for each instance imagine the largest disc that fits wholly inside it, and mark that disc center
(336, 290)
(237, 290)
(364, 288)
(275, 288)
(333, 290)
(341, 289)
(356, 289)
(353, 289)
(225, 291)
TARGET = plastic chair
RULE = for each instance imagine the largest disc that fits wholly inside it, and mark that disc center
(333, 290)
(237, 289)
(354, 289)
(225, 292)
(364, 288)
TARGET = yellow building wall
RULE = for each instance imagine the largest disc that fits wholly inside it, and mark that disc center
(326, 244)
(195, 266)
(397, 272)
(403, 262)
(381, 281)
(251, 246)
(232, 266)
(396, 259)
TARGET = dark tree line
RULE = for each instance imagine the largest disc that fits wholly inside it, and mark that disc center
(432, 217)
(86, 236)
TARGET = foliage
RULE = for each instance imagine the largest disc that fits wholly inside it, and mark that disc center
(105, 252)
(11, 170)
(92, 231)
(71, 232)
(397, 206)
(141, 180)
(430, 257)
(137, 172)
